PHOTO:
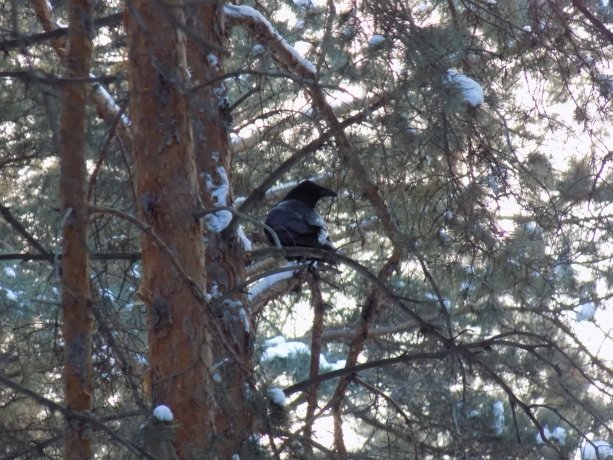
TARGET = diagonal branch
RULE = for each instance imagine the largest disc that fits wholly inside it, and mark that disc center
(53, 406)
(106, 107)
(258, 193)
(352, 370)
(196, 290)
(593, 19)
(60, 32)
(8, 216)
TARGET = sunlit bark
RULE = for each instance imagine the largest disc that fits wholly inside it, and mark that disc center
(167, 190)
(225, 262)
(76, 305)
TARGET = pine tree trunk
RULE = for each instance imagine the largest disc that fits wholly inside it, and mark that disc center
(77, 321)
(209, 111)
(167, 187)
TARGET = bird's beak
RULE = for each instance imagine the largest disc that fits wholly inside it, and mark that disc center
(328, 192)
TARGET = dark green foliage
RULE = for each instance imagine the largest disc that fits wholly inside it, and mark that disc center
(506, 205)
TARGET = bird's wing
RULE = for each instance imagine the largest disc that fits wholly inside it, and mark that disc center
(298, 224)
(291, 215)
(319, 228)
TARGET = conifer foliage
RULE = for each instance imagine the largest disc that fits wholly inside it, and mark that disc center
(466, 309)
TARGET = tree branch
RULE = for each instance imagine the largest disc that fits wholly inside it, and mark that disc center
(318, 324)
(8, 216)
(594, 20)
(349, 371)
(130, 256)
(106, 107)
(258, 193)
(146, 228)
(22, 41)
(68, 414)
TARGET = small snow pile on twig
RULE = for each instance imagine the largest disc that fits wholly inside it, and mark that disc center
(588, 451)
(498, 408)
(558, 434)
(284, 350)
(278, 347)
(163, 413)
(11, 295)
(268, 282)
(585, 311)
(331, 366)
(110, 103)
(277, 396)
(376, 40)
(245, 242)
(257, 49)
(470, 89)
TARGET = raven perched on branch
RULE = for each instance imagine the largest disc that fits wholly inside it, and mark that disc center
(295, 220)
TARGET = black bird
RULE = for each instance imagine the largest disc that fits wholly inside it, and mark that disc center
(295, 220)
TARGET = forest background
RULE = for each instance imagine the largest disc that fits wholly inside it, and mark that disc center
(144, 315)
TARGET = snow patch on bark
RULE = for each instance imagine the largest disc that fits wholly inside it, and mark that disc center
(219, 220)
(245, 242)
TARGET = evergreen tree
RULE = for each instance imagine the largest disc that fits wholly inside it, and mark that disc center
(468, 313)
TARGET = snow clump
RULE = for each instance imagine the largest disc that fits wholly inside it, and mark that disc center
(163, 413)
(277, 396)
(469, 88)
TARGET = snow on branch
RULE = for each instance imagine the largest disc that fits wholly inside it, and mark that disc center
(106, 107)
(279, 347)
(471, 91)
(264, 33)
(219, 220)
(268, 283)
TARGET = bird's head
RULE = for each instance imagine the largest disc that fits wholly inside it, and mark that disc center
(309, 192)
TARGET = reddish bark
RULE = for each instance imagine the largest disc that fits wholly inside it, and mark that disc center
(225, 261)
(167, 187)
(316, 332)
(76, 305)
(106, 108)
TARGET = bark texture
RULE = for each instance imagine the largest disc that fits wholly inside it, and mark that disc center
(167, 188)
(108, 110)
(225, 262)
(76, 305)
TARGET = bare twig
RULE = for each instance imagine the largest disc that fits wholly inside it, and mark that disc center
(316, 331)
(26, 40)
(130, 256)
(8, 216)
(594, 20)
(53, 406)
